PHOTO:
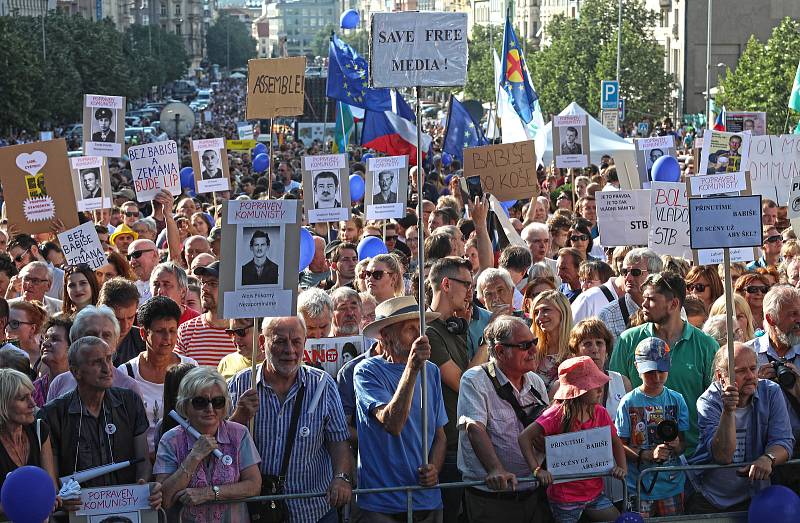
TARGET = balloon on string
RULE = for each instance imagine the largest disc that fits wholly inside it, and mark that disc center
(507, 206)
(356, 187)
(261, 163)
(260, 147)
(777, 503)
(447, 179)
(349, 19)
(365, 158)
(28, 495)
(187, 179)
(447, 159)
(666, 169)
(369, 247)
(307, 248)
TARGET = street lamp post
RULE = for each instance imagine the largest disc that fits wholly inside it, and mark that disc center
(708, 67)
(619, 39)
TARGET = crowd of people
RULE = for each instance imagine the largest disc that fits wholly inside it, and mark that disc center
(520, 343)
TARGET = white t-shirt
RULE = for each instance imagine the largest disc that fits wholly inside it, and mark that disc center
(144, 291)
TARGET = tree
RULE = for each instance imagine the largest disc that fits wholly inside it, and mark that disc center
(359, 40)
(230, 43)
(480, 70)
(763, 77)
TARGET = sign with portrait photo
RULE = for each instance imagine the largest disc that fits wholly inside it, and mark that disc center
(740, 121)
(115, 504)
(259, 277)
(571, 141)
(210, 165)
(332, 353)
(91, 182)
(155, 166)
(37, 186)
(724, 152)
(386, 187)
(648, 150)
(326, 188)
(103, 125)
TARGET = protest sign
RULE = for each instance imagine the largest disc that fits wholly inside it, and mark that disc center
(715, 256)
(310, 131)
(245, 131)
(610, 119)
(669, 219)
(739, 121)
(724, 152)
(511, 234)
(114, 500)
(571, 141)
(508, 171)
(774, 161)
(45, 136)
(794, 200)
(623, 217)
(386, 188)
(155, 166)
(426, 49)
(326, 188)
(240, 145)
(723, 183)
(91, 182)
(725, 222)
(258, 276)
(103, 125)
(210, 165)
(275, 87)
(37, 186)
(648, 150)
(82, 245)
(582, 452)
(332, 353)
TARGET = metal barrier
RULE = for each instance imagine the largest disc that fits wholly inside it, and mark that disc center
(410, 489)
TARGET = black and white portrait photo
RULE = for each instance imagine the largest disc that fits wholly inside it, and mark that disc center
(260, 269)
(103, 125)
(385, 187)
(326, 190)
(211, 169)
(90, 183)
(570, 141)
(652, 156)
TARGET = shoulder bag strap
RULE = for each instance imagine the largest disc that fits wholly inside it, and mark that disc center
(607, 292)
(129, 368)
(623, 307)
(504, 394)
(290, 437)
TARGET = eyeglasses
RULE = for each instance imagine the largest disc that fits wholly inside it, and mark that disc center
(376, 274)
(774, 239)
(132, 214)
(14, 324)
(579, 238)
(34, 281)
(699, 287)
(524, 346)
(138, 254)
(241, 331)
(657, 280)
(754, 289)
(201, 402)
(633, 272)
(391, 238)
(18, 257)
(465, 283)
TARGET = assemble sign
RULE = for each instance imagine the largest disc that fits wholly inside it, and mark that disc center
(275, 87)
(91, 182)
(508, 171)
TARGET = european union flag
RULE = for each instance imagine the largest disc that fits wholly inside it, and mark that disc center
(462, 131)
(515, 79)
(348, 79)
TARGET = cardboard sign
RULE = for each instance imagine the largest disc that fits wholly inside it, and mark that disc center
(725, 222)
(82, 245)
(240, 145)
(326, 188)
(669, 219)
(332, 353)
(583, 452)
(91, 182)
(258, 276)
(114, 500)
(623, 217)
(724, 152)
(103, 125)
(37, 186)
(571, 141)
(386, 188)
(426, 49)
(774, 161)
(711, 184)
(210, 165)
(739, 121)
(275, 87)
(508, 171)
(648, 150)
(155, 166)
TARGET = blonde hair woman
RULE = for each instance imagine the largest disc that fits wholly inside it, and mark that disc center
(744, 317)
(552, 323)
(384, 277)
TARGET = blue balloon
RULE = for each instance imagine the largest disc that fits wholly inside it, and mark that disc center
(447, 159)
(261, 163)
(307, 249)
(260, 147)
(28, 495)
(365, 157)
(349, 19)
(507, 206)
(187, 180)
(776, 504)
(370, 246)
(666, 169)
(356, 187)
(447, 179)
(629, 517)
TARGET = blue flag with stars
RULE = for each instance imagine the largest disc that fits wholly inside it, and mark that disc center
(514, 79)
(462, 131)
(348, 79)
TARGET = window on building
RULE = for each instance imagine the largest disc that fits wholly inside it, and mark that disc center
(164, 9)
(178, 29)
(177, 9)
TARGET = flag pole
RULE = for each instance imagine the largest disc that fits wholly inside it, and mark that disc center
(421, 272)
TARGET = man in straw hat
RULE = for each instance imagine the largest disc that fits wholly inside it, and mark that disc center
(389, 421)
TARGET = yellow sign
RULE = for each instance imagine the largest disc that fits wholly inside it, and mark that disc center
(240, 145)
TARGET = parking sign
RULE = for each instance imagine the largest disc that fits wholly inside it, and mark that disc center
(609, 94)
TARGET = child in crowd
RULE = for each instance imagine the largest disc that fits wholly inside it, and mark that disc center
(578, 408)
(651, 420)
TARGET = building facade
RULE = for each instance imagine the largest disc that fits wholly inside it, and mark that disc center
(298, 22)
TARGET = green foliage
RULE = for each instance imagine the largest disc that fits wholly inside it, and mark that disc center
(230, 37)
(359, 40)
(763, 77)
(480, 70)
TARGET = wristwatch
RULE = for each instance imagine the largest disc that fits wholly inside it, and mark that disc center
(344, 476)
(771, 457)
(216, 492)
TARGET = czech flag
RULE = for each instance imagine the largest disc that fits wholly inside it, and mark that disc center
(394, 132)
(719, 123)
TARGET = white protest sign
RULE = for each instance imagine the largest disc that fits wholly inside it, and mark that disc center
(426, 49)
(774, 161)
(794, 199)
(623, 217)
(114, 499)
(669, 219)
(245, 130)
(386, 189)
(725, 222)
(583, 452)
(155, 166)
(571, 141)
(332, 353)
(82, 245)
(91, 183)
(723, 183)
(715, 256)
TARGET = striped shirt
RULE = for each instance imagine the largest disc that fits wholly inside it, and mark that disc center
(203, 342)
(310, 467)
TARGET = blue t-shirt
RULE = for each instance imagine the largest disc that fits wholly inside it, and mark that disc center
(637, 417)
(385, 460)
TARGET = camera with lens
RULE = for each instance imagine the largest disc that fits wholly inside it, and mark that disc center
(785, 376)
(667, 430)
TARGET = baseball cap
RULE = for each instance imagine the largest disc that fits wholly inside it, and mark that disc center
(652, 354)
(209, 270)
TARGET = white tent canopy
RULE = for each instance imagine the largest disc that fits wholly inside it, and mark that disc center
(601, 142)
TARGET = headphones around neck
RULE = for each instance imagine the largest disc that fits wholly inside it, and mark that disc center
(456, 325)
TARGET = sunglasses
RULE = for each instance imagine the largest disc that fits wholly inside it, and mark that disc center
(699, 287)
(241, 331)
(467, 284)
(524, 346)
(375, 274)
(201, 402)
(391, 238)
(132, 214)
(138, 254)
(579, 238)
(754, 289)
(18, 257)
(774, 239)
(634, 272)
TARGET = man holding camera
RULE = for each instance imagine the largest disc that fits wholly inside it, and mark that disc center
(777, 359)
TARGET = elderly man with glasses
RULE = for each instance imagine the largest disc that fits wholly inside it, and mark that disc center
(36, 280)
(143, 257)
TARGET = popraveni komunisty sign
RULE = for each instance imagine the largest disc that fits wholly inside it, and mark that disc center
(426, 49)
(725, 222)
